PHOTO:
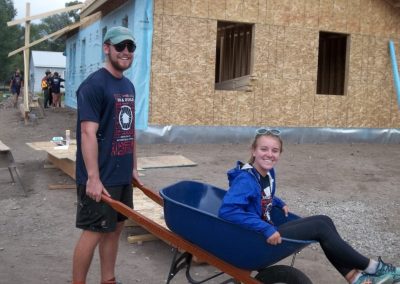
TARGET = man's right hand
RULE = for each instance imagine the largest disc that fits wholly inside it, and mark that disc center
(94, 189)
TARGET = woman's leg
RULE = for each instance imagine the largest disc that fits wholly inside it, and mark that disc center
(321, 228)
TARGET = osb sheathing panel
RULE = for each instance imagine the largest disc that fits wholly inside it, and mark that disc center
(158, 7)
(353, 16)
(311, 13)
(355, 108)
(320, 115)
(234, 10)
(199, 9)
(225, 107)
(285, 64)
(160, 87)
(336, 111)
(245, 110)
(250, 10)
(262, 12)
(306, 105)
(217, 9)
(259, 107)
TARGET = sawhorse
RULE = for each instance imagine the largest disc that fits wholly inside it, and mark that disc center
(7, 161)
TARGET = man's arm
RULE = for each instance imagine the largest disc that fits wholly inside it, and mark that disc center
(135, 173)
(89, 146)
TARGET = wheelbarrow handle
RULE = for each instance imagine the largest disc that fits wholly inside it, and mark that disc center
(148, 192)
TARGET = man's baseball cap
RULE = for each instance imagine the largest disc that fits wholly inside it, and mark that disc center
(116, 35)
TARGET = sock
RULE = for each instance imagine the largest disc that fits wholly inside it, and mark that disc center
(372, 266)
(358, 275)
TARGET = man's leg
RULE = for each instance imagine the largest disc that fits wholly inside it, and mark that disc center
(108, 250)
(15, 100)
(83, 255)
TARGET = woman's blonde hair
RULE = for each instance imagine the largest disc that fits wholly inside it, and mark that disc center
(255, 140)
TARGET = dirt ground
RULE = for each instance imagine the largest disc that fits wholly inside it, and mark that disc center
(357, 185)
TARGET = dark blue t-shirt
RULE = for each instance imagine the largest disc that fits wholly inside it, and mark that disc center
(110, 102)
(56, 84)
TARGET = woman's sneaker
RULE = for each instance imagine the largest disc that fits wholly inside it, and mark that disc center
(374, 279)
(388, 269)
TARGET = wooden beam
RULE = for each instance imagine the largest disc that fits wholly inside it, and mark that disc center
(26, 62)
(44, 15)
(62, 186)
(141, 238)
(59, 32)
(66, 165)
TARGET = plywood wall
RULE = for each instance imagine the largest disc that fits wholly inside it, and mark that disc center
(285, 57)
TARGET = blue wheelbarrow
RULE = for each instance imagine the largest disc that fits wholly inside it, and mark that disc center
(191, 214)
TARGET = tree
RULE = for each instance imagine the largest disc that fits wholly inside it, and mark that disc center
(10, 39)
(52, 24)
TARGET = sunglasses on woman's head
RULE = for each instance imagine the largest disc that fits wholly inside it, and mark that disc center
(266, 131)
(121, 46)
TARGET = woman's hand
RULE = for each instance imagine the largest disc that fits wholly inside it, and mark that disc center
(274, 239)
(286, 210)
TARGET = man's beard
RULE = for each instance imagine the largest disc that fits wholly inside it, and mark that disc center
(115, 64)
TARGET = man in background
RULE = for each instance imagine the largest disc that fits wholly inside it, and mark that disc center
(15, 86)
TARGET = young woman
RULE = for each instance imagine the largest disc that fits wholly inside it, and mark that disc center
(251, 196)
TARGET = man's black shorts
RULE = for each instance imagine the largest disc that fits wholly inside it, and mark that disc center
(99, 216)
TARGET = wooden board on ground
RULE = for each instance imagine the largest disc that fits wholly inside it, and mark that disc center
(149, 209)
(62, 186)
(164, 162)
(56, 151)
(4, 147)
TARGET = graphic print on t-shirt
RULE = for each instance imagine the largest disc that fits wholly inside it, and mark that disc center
(123, 125)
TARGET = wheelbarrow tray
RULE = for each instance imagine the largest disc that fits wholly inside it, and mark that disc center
(191, 211)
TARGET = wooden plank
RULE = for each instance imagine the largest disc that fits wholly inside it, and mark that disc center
(139, 239)
(66, 165)
(44, 15)
(4, 147)
(164, 162)
(62, 186)
(57, 33)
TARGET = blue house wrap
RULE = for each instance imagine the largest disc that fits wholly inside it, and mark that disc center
(85, 53)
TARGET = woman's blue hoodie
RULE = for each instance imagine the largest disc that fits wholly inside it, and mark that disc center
(242, 202)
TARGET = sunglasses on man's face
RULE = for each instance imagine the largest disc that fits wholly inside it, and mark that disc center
(122, 45)
(266, 131)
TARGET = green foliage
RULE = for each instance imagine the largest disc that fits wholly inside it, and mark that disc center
(10, 38)
(52, 24)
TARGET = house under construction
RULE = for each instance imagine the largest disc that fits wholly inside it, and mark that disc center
(276, 63)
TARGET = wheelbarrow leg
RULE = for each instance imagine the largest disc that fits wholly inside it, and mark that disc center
(185, 260)
(177, 264)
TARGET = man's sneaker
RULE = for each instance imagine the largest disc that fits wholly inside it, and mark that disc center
(374, 279)
(388, 269)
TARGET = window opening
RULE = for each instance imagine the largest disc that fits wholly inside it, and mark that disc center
(233, 55)
(332, 62)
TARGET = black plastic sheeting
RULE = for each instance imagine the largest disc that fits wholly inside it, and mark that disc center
(236, 134)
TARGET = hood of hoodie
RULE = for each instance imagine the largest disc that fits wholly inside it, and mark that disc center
(239, 169)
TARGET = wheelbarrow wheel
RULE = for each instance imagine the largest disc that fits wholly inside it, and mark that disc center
(282, 274)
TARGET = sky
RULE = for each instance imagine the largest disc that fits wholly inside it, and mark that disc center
(38, 6)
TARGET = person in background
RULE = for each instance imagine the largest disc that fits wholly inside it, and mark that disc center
(251, 196)
(16, 83)
(46, 83)
(56, 89)
(106, 155)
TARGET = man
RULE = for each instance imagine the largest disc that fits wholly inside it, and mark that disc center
(106, 155)
(56, 86)
(15, 86)
(46, 88)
